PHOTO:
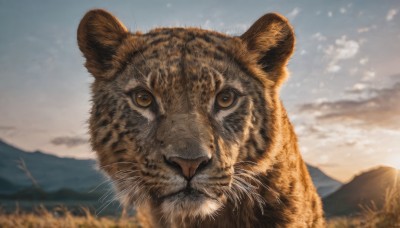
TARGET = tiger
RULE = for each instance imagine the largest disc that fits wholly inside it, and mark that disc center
(188, 124)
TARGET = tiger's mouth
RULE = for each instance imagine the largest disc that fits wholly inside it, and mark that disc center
(189, 202)
(187, 194)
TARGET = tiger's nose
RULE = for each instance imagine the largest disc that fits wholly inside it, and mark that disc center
(188, 167)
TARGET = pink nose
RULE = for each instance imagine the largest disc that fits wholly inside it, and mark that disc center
(189, 167)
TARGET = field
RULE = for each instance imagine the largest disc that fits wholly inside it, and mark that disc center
(61, 217)
(372, 217)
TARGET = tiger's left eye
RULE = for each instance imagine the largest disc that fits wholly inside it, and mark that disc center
(143, 99)
(225, 99)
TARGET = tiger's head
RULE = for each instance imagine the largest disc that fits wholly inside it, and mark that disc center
(183, 118)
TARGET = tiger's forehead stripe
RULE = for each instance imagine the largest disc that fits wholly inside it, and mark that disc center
(224, 53)
(169, 43)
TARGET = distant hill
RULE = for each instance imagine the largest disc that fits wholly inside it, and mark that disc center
(362, 190)
(51, 172)
(325, 185)
(7, 186)
(62, 194)
(54, 173)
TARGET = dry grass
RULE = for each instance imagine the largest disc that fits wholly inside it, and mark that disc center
(61, 217)
(373, 217)
(388, 215)
(345, 223)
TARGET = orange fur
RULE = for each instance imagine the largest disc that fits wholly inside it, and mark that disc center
(254, 175)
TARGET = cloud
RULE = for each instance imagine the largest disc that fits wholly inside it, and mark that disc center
(333, 68)
(6, 130)
(358, 88)
(318, 36)
(364, 61)
(349, 143)
(362, 30)
(294, 13)
(342, 49)
(390, 15)
(382, 109)
(317, 132)
(69, 141)
(368, 75)
(327, 164)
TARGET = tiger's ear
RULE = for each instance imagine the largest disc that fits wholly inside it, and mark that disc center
(272, 39)
(99, 36)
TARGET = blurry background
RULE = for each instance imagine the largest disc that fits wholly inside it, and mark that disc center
(343, 95)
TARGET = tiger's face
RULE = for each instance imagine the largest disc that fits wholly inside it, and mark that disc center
(183, 118)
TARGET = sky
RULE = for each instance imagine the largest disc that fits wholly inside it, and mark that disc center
(343, 95)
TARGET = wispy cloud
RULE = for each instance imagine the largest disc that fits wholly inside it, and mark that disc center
(327, 164)
(294, 13)
(364, 61)
(341, 50)
(358, 88)
(363, 29)
(318, 36)
(7, 130)
(69, 141)
(382, 109)
(369, 75)
(307, 130)
(390, 15)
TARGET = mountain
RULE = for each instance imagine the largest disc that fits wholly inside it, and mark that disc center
(51, 172)
(64, 194)
(7, 186)
(324, 184)
(363, 189)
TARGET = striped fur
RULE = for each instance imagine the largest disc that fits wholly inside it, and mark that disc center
(256, 176)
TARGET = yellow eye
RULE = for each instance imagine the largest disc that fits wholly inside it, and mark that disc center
(143, 99)
(225, 99)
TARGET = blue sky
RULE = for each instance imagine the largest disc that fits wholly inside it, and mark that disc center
(343, 95)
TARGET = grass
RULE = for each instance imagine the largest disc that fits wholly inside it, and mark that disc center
(372, 217)
(62, 217)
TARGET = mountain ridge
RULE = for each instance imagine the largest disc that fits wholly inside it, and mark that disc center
(365, 189)
(50, 171)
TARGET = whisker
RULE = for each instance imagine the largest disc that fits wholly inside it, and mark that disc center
(245, 185)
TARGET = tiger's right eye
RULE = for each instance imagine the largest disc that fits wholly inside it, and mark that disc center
(143, 99)
(225, 99)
